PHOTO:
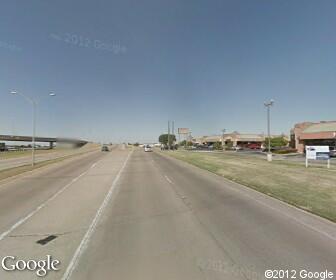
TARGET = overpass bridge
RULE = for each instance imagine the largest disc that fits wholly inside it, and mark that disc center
(50, 140)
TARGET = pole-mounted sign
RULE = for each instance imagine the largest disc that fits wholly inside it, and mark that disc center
(318, 153)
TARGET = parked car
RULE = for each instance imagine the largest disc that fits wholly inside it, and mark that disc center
(254, 146)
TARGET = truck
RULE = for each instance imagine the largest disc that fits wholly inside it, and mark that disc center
(2, 147)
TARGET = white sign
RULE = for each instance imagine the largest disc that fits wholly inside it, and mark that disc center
(317, 152)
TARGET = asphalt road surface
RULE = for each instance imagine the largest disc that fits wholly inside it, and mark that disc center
(6, 163)
(134, 215)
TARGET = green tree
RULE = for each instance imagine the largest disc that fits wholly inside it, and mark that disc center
(229, 144)
(276, 142)
(217, 146)
(183, 143)
(163, 139)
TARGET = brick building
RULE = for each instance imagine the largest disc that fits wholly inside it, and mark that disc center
(309, 133)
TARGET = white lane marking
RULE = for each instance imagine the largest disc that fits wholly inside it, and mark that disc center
(167, 178)
(93, 165)
(21, 221)
(86, 239)
(24, 219)
(265, 196)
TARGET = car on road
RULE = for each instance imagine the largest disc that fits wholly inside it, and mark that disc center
(105, 149)
(148, 148)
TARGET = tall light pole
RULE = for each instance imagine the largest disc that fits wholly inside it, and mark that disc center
(268, 106)
(223, 131)
(168, 134)
(34, 104)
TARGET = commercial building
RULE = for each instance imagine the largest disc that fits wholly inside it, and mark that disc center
(236, 138)
(322, 133)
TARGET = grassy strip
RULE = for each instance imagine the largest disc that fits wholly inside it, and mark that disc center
(312, 189)
(6, 173)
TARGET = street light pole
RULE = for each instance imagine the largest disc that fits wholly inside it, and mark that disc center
(34, 132)
(223, 131)
(168, 134)
(34, 105)
(268, 106)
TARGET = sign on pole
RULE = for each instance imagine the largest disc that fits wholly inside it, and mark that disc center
(317, 153)
(183, 131)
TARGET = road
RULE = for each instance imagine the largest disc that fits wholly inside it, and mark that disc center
(128, 214)
(6, 163)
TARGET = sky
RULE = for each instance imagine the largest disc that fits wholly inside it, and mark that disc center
(121, 69)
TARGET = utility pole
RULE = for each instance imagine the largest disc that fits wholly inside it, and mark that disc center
(268, 106)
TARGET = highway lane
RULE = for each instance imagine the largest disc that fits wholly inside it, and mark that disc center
(21, 196)
(62, 202)
(137, 215)
(174, 221)
(6, 163)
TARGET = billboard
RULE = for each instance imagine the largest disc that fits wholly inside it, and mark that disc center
(183, 131)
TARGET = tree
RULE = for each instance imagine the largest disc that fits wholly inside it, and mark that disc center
(229, 144)
(276, 142)
(186, 143)
(183, 143)
(217, 146)
(163, 139)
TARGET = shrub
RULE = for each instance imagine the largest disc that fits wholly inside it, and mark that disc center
(218, 146)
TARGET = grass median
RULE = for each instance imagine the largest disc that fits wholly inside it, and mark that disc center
(312, 189)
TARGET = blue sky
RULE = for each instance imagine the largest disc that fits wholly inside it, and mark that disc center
(121, 69)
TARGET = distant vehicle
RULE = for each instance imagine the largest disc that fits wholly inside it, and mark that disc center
(148, 148)
(105, 149)
(3, 147)
(332, 151)
(204, 147)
